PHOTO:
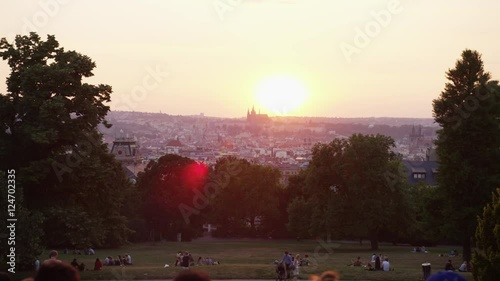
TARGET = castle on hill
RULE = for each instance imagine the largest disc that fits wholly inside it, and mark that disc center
(254, 118)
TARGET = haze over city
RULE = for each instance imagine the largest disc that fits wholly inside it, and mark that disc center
(294, 57)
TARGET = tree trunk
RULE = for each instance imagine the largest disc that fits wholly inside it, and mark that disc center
(374, 240)
(466, 249)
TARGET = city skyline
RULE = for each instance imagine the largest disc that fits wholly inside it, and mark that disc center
(381, 58)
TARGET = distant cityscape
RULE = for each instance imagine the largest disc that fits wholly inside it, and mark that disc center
(284, 142)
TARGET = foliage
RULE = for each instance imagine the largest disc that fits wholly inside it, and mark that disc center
(487, 262)
(468, 111)
(28, 230)
(426, 207)
(357, 188)
(247, 202)
(165, 186)
(48, 134)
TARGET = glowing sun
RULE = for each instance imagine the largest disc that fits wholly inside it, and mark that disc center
(281, 95)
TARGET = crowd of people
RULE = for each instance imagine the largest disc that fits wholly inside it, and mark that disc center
(98, 264)
(287, 265)
(119, 260)
(185, 260)
(55, 270)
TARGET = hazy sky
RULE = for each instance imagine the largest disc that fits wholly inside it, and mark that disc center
(351, 58)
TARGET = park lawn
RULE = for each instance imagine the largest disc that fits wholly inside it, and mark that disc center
(253, 260)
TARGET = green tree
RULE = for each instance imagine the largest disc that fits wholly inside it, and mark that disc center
(357, 188)
(468, 111)
(426, 205)
(487, 262)
(89, 207)
(48, 121)
(28, 227)
(47, 109)
(168, 189)
(247, 202)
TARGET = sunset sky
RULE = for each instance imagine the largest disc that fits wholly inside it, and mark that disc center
(283, 56)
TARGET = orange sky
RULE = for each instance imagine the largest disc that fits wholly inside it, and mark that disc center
(354, 58)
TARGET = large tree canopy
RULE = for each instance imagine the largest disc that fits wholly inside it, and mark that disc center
(352, 188)
(468, 111)
(48, 110)
(168, 187)
(246, 202)
(48, 134)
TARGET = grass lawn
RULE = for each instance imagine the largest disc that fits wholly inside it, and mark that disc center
(253, 260)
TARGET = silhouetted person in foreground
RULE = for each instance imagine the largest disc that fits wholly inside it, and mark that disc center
(192, 275)
(4, 276)
(446, 276)
(326, 276)
(57, 271)
(52, 257)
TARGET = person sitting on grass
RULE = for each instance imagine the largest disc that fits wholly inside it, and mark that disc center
(386, 266)
(185, 261)
(178, 259)
(464, 267)
(356, 262)
(200, 261)
(377, 263)
(305, 260)
(74, 263)
(81, 267)
(449, 267)
(97, 264)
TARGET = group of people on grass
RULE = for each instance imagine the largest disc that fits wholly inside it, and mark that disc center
(98, 264)
(53, 269)
(376, 263)
(420, 250)
(88, 251)
(464, 267)
(119, 260)
(291, 264)
(185, 260)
